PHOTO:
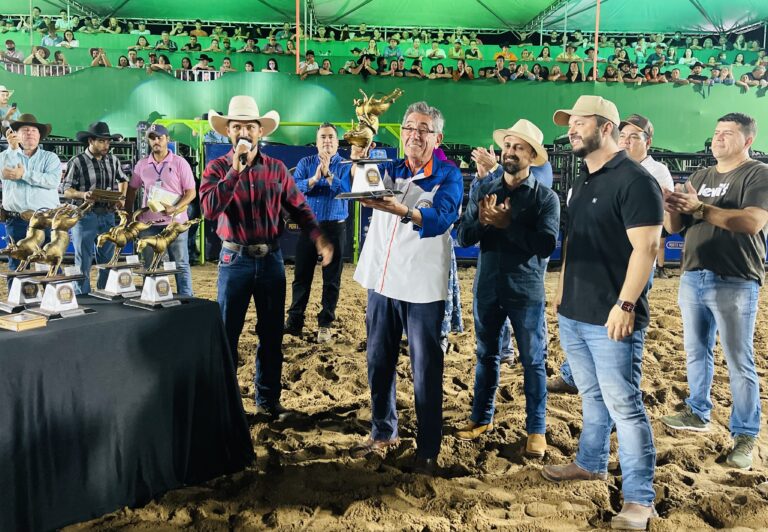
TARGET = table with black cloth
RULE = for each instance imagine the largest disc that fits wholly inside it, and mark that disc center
(113, 408)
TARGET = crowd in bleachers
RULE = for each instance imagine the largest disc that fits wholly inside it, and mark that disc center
(195, 50)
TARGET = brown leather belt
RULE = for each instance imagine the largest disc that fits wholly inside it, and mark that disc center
(252, 250)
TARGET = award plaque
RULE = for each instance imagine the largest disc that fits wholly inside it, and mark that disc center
(59, 299)
(120, 285)
(367, 181)
(23, 293)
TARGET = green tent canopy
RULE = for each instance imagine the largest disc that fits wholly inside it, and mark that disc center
(616, 15)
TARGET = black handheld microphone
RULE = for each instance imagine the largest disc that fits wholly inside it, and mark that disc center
(244, 156)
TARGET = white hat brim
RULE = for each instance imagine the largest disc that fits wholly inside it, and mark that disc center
(270, 121)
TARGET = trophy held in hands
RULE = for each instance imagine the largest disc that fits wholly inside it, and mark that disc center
(120, 285)
(23, 293)
(59, 300)
(367, 182)
(156, 292)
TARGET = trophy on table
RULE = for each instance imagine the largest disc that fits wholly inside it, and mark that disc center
(59, 300)
(157, 292)
(120, 283)
(23, 293)
(367, 181)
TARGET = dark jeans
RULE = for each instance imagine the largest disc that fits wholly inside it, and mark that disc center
(242, 278)
(306, 260)
(16, 228)
(385, 321)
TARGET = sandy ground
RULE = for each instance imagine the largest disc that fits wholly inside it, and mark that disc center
(303, 477)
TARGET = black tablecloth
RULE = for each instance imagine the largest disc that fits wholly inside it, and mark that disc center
(113, 408)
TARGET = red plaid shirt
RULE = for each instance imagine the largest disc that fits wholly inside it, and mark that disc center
(248, 205)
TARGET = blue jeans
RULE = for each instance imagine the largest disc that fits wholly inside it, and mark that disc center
(711, 303)
(84, 239)
(527, 326)
(179, 253)
(385, 321)
(242, 278)
(608, 375)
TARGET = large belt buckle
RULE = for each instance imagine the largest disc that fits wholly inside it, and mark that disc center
(258, 250)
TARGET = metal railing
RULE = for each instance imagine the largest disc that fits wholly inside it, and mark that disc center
(40, 70)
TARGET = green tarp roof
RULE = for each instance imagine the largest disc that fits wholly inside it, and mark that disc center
(616, 15)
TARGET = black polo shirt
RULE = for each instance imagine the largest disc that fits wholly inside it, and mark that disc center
(602, 206)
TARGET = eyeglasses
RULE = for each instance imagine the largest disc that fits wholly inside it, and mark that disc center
(422, 132)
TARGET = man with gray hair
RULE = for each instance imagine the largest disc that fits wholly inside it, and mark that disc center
(404, 265)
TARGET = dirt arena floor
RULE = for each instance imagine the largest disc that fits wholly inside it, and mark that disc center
(304, 479)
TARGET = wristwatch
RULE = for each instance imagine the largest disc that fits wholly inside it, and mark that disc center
(626, 306)
(698, 212)
(408, 217)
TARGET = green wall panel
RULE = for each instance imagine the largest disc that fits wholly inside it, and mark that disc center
(683, 116)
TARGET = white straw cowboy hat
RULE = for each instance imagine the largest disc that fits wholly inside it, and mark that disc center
(525, 130)
(243, 108)
(9, 91)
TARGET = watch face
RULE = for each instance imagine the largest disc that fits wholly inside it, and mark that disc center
(626, 306)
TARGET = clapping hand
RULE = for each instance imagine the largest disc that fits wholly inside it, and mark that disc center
(498, 216)
(683, 200)
(484, 159)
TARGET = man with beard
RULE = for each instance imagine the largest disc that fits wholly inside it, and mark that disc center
(404, 266)
(246, 191)
(95, 168)
(614, 225)
(516, 221)
(321, 178)
(724, 210)
(163, 174)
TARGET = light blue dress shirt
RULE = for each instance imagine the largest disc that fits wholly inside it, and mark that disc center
(38, 187)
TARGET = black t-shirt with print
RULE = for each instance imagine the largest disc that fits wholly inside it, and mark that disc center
(619, 196)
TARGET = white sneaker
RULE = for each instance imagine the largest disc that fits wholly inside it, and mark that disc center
(323, 335)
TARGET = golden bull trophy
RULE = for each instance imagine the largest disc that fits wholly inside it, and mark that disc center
(367, 182)
(157, 292)
(120, 285)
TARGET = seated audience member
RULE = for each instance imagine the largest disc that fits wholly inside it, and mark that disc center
(226, 46)
(460, 72)
(165, 43)
(674, 77)
(688, 59)
(758, 77)
(192, 45)
(456, 52)
(501, 73)
(141, 30)
(470, 72)
(272, 46)
(219, 33)
(177, 30)
(738, 60)
(393, 50)
(709, 44)
(590, 58)
(435, 52)
(371, 49)
(555, 74)
(714, 76)
(323, 35)
(249, 66)
(575, 72)
(214, 47)
(141, 44)
(695, 44)
(641, 47)
(250, 47)
(415, 71)
(284, 33)
(69, 40)
(544, 55)
(711, 61)
(655, 75)
(52, 38)
(415, 51)
(611, 73)
(241, 34)
(326, 69)
(658, 57)
(568, 55)
(186, 63)
(541, 73)
(111, 25)
(726, 76)
(161, 63)
(122, 62)
(507, 54)
(393, 70)
(226, 66)
(308, 67)
(526, 56)
(92, 26)
(695, 76)
(677, 41)
(290, 47)
(271, 66)
(438, 72)
(474, 52)
(722, 59)
(740, 43)
(198, 31)
(521, 74)
(633, 76)
(204, 63)
(381, 65)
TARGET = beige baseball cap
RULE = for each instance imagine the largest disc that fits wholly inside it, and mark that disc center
(588, 105)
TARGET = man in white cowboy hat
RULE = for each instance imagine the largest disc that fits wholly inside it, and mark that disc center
(169, 186)
(405, 265)
(95, 168)
(246, 192)
(30, 175)
(614, 225)
(8, 110)
(516, 221)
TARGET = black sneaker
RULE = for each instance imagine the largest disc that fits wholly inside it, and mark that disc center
(276, 412)
(292, 328)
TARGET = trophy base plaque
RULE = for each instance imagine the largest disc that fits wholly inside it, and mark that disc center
(59, 299)
(23, 293)
(120, 284)
(367, 182)
(156, 292)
